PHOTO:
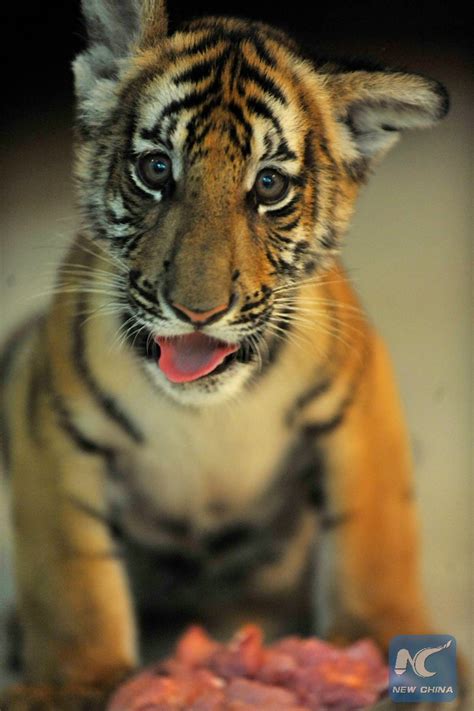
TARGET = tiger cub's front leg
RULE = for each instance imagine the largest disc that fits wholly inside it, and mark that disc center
(74, 604)
(368, 575)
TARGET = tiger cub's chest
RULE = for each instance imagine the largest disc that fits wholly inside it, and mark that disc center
(203, 471)
(203, 516)
(206, 477)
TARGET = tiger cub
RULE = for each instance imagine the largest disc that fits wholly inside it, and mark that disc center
(204, 423)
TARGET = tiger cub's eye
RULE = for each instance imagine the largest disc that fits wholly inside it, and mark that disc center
(154, 169)
(270, 186)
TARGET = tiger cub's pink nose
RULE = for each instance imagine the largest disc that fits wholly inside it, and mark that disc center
(199, 316)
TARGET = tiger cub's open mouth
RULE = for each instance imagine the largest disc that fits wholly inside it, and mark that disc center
(185, 358)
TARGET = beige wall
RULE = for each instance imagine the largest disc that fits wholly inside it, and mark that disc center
(410, 251)
(410, 255)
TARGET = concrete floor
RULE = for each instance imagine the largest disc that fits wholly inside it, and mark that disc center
(410, 255)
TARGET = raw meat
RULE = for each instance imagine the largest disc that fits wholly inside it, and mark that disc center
(292, 674)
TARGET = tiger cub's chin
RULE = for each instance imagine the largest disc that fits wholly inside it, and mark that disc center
(208, 390)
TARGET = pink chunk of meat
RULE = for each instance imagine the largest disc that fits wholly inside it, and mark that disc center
(293, 674)
(244, 655)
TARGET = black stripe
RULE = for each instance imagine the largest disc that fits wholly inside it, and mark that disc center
(13, 343)
(329, 238)
(117, 220)
(306, 397)
(238, 114)
(311, 172)
(206, 110)
(286, 210)
(135, 275)
(308, 471)
(170, 129)
(252, 74)
(35, 384)
(191, 101)
(144, 302)
(230, 536)
(204, 45)
(7, 359)
(198, 72)
(300, 248)
(134, 189)
(358, 169)
(290, 225)
(244, 148)
(262, 51)
(130, 246)
(275, 345)
(268, 143)
(309, 157)
(64, 419)
(254, 304)
(279, 239)
(106, 402)
(284, 152)
(196, 121)
(197, 128)
(300, 179)
(127, 248)
(260, 108)
(88, 509)
(285, 267)
(328, 521)
(272, 259)
(316, 429)
(233, 68)
(232, 37)
(104, 518)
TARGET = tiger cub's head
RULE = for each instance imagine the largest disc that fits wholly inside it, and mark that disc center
(219, 166)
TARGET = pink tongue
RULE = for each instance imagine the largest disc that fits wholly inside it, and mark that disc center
(189, 357)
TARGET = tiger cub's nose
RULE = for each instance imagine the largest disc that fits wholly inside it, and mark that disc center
(197, 316)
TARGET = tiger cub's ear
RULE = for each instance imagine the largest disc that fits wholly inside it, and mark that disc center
(115, 29)
(372, 107)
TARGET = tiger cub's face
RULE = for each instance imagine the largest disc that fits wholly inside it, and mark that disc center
(219, 167)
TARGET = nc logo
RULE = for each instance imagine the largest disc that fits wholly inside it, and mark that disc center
(422, 668)
(418, 660)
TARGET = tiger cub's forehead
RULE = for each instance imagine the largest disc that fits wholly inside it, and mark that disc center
(220, 96)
